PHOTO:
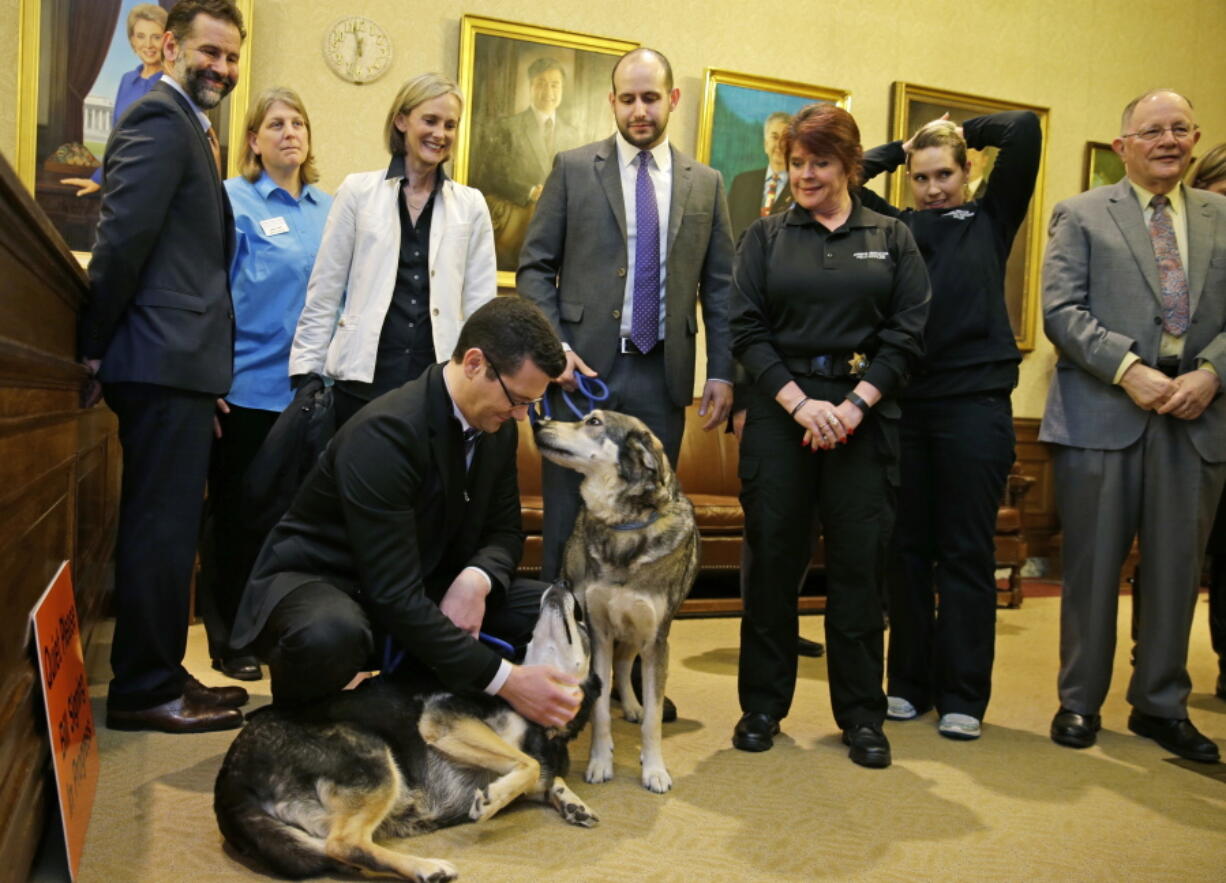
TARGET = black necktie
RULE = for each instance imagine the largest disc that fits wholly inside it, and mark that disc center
(470, 443)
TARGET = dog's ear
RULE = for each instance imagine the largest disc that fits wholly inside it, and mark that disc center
(639, 462)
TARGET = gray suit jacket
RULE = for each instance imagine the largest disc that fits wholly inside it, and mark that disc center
(573, 262)
(1102, 299)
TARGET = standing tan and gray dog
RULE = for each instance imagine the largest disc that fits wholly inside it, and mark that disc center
(632, 560)
(308, 791)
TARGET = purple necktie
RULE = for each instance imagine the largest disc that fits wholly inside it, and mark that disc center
(1170, 269)
(645, 323)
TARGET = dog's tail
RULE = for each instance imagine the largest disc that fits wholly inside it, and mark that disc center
(253, 831)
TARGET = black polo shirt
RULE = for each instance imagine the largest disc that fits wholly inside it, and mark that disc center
(802, 290)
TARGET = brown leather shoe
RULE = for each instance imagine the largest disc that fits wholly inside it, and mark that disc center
(214, 697)
(182, 715)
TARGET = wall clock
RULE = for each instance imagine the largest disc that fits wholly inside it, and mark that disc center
(357, 49)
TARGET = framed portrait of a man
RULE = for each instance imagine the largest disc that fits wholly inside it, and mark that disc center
(743, 117)
(532, 92)
(916, 105)
(81, 65)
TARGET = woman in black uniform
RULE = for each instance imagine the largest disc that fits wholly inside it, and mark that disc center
(1210, 175)
(829, 304)
(957, 421)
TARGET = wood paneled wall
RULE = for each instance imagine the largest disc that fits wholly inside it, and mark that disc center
(59, 493)
(1039, 519)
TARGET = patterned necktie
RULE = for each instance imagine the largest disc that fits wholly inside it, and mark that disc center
(772, 190)
(645, 324)
(1170, 268)
(216, 145)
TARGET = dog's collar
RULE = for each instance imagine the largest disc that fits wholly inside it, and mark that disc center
(637, 525)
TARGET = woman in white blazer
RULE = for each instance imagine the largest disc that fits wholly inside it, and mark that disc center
(407, 255)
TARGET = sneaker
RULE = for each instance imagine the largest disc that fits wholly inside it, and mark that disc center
(958, 726)
(899, 709)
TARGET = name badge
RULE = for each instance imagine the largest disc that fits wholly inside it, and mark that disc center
(273, 226)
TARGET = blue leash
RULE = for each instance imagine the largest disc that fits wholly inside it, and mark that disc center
(393, 659)
(592, 388)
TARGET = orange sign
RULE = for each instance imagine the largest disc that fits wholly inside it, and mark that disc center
(70, 719)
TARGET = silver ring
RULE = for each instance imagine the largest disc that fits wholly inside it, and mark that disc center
(832, 418)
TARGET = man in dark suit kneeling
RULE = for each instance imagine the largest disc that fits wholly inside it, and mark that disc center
(404, 538)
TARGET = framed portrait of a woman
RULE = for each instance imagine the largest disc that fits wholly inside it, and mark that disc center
(81, 65)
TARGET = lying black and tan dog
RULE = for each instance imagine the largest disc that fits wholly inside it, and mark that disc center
(309, 792)
(632, 559)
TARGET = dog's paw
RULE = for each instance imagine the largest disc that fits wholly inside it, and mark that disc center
(577, 813)
(480, 809)
(435, 870)
(599, 769)
(657, 780)
(632, 712)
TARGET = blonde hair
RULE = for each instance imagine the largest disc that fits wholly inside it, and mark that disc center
(415, 90)
(940, 133)
(146, 12)
(250, 163)
(1211, 169)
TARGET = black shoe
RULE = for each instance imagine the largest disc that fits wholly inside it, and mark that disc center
(636, 681)
(868, 744)
(1176, 735)
(755, 731)
(1075, 730)
(241, 668)
(1221, 686)
(182, 715)
(805, 647)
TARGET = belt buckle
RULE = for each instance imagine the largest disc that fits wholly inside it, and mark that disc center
(820, 365)
(625, 347)
(857, 365)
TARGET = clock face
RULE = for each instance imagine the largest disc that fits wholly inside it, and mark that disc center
(357, 49)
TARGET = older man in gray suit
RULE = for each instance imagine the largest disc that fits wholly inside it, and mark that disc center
(1134, 298)
(629, 234)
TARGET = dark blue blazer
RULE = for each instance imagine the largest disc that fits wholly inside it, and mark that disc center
(159, 308)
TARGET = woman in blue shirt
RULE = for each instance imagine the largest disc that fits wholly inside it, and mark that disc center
(279, 218)
(146, 24)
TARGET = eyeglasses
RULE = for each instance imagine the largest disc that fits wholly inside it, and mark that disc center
(1179, 132)
(531, 403)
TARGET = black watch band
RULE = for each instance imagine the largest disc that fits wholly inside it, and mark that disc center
(858, 402)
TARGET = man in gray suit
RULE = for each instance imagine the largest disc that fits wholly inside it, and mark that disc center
(629, 234)
(518, 155)
(1134, 298)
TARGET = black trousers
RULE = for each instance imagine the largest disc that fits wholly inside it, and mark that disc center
(956, 456)
(636, 387)
(318, 637)
(228, 547)
(853, 489)
(166, 435)
(1217, 588)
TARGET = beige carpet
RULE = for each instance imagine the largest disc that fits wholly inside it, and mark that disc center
(1010, 806)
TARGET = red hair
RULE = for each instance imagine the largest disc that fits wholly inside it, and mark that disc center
(827, 130)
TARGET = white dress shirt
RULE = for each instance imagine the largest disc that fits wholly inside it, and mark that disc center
(661, 173)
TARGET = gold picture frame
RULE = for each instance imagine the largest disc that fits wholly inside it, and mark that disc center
(43, 38)
(501, 149)
(915, 105)
(1101, 165)
(734, 130)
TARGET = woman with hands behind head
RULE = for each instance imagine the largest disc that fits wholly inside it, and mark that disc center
(829, 302)
(957, 422)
